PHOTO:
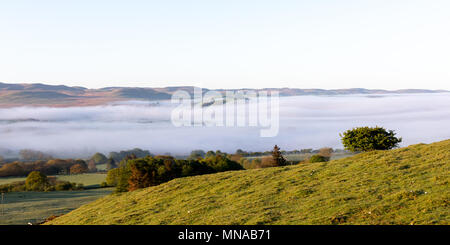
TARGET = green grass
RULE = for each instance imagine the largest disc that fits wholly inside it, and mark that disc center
(88, 180)
(402, 186)
(101, 167)
(9, 180)
(19, 208)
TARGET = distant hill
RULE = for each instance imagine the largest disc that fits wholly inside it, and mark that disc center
(60, 95)
(402, 186)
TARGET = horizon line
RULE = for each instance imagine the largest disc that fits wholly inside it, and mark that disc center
(242, 88)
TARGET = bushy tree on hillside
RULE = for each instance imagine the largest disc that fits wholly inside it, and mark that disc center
(369, 139)
(36, 181)
(278, 158)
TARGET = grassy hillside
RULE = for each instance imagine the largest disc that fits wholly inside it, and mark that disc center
(19, 208)
(402, 186)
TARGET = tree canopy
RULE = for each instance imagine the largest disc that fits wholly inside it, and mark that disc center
(369, 139)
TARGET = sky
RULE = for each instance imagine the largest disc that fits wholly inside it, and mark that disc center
(227, 44)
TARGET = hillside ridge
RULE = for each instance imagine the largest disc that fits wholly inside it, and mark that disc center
(38, 94)
(403, 186)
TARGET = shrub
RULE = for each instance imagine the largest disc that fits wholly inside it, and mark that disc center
(63, 186)
(36, 181)
(278, 158)
(68, 186)
(369, 139)
(318, 158)
(112, 177)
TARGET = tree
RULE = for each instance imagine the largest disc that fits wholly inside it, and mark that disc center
(326, 153)
(99, 158)
(210, 154)
(36, 181)
(305, 151)
(119, 156)
(369, 139)
(196, 154)
(318, 158)
(112, 178)
(267, 162)
(110, 164)
(78, 169)
(221, 163)
(31, 155)
(92, 166)
(141, 175)
(278, 158)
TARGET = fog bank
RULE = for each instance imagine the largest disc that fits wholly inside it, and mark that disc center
(305, 122)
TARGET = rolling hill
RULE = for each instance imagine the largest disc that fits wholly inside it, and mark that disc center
(402, 186)
(38, 94)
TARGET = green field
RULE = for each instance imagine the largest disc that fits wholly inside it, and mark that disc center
(101, 167)
(19, 208)
(403, 186)
(88, 180)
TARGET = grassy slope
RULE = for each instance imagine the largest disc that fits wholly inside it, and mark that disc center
(402, 186)
(22, 207)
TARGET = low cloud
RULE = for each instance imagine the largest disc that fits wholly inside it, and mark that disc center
(305, 122)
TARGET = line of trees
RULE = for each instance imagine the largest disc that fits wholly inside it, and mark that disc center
(50, 167)
(135, 173)
(37, 181)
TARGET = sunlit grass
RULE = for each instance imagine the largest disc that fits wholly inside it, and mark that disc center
(403, 186)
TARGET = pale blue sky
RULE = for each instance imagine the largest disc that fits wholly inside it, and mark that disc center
(227, 44)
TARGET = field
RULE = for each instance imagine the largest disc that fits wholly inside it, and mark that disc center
(88, 180)
(101, 167)
(403, 186)
(303, 156)
(20, 208)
